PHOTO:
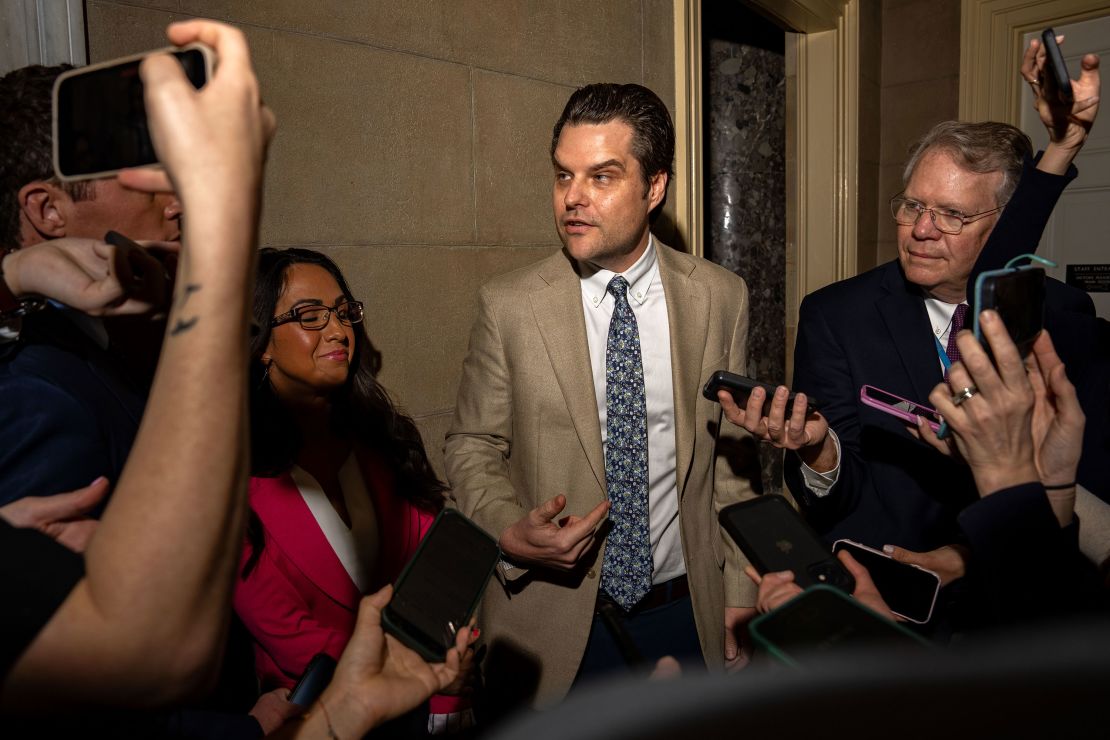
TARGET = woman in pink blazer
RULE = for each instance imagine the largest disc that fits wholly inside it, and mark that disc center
(342, 491)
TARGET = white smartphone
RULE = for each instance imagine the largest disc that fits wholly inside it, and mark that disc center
(909, 590)
(100, 124)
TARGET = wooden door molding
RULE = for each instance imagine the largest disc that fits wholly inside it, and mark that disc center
(991, 33)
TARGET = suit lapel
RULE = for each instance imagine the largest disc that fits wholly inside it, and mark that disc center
(289, 521)
(902, 310)
(557, 308)
(688, 316)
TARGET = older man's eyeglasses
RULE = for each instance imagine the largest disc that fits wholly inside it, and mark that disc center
(906, 212)
(317, 317)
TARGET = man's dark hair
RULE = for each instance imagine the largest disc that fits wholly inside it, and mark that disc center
(26, 136)
(640, 108)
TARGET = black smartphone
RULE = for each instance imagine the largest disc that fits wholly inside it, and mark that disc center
(100, 124)
(1018, 295)
(440, 587)
(909, 590)
(774, 537)
(823, 620)
(1057, 68)
(741, 387)
(316, 677)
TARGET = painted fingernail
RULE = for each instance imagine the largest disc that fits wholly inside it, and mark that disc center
(888, 549)
(475, 632)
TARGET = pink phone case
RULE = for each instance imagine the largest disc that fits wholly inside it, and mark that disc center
(909, 412)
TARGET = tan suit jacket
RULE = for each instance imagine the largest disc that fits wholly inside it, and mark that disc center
(526, 429)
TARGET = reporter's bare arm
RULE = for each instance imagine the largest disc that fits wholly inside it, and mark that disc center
(147, 623)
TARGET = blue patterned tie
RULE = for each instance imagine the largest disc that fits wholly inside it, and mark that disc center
(626, 570)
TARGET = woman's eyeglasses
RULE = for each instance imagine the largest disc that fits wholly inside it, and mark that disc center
(314, 317)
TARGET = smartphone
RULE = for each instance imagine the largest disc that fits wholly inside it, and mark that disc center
(909, 590)
(440, 587)
(904, 409)
(741, 387)
(823, 620)
(1018, 295)
(1057, 68)
(317, 675)
(100, 124)
(774, 537)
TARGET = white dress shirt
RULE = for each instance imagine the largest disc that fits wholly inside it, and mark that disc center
(649, 305)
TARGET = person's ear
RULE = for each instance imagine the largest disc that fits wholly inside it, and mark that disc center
(657, 189)
(42, 210)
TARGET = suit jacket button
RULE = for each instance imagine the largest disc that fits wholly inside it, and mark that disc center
(591, 574)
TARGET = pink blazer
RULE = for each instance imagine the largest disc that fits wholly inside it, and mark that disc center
(298, 599)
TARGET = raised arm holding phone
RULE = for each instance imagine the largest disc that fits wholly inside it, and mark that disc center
(146, 624)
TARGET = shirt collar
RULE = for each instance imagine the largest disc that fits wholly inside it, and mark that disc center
(940, 315)
(595, 280)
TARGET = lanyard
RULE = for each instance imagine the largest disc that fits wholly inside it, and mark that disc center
(943, 354)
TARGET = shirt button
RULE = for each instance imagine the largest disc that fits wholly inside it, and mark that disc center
(591, 574)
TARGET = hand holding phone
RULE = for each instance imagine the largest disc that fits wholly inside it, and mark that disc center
(775, 538)
(1017, 294)
(823, 620)
(910, 591)
(1057, 81)
(740, 387)
(100, 117)
(441, 585)
(904, 409)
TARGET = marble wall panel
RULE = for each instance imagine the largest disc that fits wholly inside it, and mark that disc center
(745, 147)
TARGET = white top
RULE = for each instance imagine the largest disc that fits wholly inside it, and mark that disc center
(357, 547)
(649, 305)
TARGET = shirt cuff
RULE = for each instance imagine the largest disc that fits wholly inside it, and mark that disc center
(450, 723)
(9, 330)
(821, 483)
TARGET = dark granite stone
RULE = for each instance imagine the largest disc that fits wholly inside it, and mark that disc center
(745, 181)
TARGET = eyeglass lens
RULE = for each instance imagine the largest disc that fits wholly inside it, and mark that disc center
(907, 213)
(317, 317)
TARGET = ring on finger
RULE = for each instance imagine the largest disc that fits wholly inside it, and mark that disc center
(963, 395)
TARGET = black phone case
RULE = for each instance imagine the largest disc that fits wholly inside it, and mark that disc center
(399, 627)
(741, 387)
(774, 537)
(317, 675)
(1057, 67)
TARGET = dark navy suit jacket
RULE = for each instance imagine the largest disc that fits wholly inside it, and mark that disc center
(68, 413)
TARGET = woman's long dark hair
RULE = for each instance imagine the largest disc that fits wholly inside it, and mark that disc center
(361, 409)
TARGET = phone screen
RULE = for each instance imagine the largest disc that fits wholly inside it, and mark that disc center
(909, 592)
(1018, 297)
(443, 582)
(822, 620)
(101, 117)
(901, 404)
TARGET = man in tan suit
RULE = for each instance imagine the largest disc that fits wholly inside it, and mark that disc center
(581, 439)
